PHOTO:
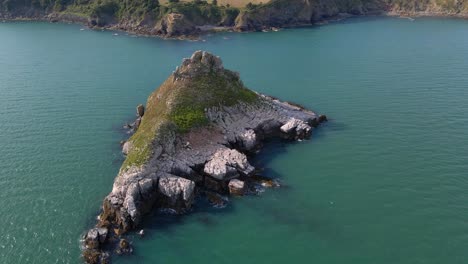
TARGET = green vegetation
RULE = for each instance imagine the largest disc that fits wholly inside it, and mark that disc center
(205, 92)
(188, 117)
(179, 107)
(219, 12)
(199, 12)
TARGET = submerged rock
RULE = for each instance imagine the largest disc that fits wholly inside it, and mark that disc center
(124, 247)
(193, 138)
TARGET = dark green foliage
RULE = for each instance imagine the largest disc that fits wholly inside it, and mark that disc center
(109, 8)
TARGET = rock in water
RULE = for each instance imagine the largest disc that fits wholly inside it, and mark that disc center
(236, 187)
(192, 138)
(124, 247)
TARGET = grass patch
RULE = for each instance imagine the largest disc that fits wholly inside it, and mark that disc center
(176, 108)
(186, 118)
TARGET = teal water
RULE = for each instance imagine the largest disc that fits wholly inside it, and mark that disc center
(384, 182)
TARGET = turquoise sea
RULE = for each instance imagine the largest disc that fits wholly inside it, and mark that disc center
(385, 181)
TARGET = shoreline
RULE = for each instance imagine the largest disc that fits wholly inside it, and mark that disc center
(212, 29)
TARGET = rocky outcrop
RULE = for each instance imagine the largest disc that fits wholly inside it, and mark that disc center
(140, 110)
(226, 164)
(286, 13)
(175, 24)
(199, 126)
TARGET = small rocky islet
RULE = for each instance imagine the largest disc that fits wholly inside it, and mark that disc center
(192, 140)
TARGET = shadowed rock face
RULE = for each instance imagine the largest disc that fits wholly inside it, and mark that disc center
(174, 24)
(207, 155)
(283, 13)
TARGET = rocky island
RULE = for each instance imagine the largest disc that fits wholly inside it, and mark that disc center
(193, 139)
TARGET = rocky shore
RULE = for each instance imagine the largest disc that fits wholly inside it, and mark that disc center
(193, 140)
(186, 21)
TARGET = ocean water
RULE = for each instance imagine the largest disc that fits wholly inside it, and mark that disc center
(385, 181)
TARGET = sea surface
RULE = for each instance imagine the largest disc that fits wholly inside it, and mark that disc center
(385, 181)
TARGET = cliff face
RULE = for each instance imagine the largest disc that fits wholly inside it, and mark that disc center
(457, 8)
(284, 13)
(193, 140)
(281, 13)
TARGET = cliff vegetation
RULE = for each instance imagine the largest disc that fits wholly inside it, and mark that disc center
(174, 18)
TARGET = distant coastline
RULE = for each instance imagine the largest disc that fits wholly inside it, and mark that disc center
(191, 20)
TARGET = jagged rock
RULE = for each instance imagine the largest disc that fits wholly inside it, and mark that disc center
(102, 232)
(236, 187)
(296, 128)
(140, 110)
(180, 191)
(226, 164)
(92, 239)
(201, 62)
(248, 140)
(175, 24)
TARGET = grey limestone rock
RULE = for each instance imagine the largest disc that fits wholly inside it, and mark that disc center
(226, 164)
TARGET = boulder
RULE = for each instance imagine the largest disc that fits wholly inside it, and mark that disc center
(296, 128)
(92, 239)
(179, 191)
(248, 140)
(236, 187)
(227, 164)
(102, 231)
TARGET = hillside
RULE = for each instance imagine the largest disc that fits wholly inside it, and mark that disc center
(190, 18)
